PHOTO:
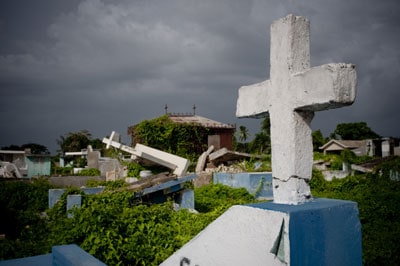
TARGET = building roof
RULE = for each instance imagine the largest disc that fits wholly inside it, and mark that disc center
(196, 119)
(344, 144)
(11, 152)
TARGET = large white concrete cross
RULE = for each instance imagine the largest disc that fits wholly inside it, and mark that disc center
(291, 95)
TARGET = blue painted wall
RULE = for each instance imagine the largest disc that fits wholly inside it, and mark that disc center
(322, 232)
(38, 165)
(66, 255)
(257, 183)
(55, 194)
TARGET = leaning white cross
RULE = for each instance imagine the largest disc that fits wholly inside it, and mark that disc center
(291, 95)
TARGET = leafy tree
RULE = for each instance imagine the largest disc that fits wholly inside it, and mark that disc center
(239, 143)
(97, 144)
(34, 147)
(12, 147)
(261, 143)
(243, 133)
(354, 131)
(318, 139)
(76, 141)
(262, 140)
(266, 125)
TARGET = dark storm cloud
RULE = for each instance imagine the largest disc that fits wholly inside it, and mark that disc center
(104, 65)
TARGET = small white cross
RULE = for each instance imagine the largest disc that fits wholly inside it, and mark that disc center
(291, 95)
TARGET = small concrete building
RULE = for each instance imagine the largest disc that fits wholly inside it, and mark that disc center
(359, 147)
(38, 165)
(382, 147)
(26, 164)
(220, 134)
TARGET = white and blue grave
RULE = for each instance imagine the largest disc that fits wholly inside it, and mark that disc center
(294, 229)
(258, 184)
(64, 255)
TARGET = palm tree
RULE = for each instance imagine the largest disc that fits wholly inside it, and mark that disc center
(243, 133)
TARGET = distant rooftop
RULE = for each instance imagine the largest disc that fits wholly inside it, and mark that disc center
(196, 119)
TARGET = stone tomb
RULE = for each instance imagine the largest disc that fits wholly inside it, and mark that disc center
(65, 255)
(295, 229)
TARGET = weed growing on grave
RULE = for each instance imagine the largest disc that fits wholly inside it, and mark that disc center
(89, 172)
(109, 185)
(336, 160)
(256, 164)
(210, 197)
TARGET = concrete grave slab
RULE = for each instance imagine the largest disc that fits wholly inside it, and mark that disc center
(321, 232)
(225, 155)
(201, 162)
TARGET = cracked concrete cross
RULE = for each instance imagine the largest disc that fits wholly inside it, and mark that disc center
(291, 96)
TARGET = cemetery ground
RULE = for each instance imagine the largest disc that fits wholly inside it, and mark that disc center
(119, 230)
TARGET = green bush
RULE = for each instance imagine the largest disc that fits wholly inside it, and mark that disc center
(109, 185)
(117, 232)
(63, 171)
(89, 172)
(210, 197)
(110, 225)
(21, 204)
(134, 169)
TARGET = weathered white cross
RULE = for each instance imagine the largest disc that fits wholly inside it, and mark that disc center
(291, 95)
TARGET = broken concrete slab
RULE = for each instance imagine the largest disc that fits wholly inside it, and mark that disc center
(150, 181)
(178, 164)
(225, 155)
(201, 162)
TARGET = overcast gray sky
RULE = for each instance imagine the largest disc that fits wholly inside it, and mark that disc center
(103, 65)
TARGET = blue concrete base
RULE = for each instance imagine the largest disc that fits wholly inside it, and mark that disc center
(73, 201)
(70, 255)
(66, 255)
(55, 194)
(322, 232)
(187, 199)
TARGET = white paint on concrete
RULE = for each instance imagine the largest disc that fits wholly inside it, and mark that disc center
(178, 164)
(241, 236)
(291, 96)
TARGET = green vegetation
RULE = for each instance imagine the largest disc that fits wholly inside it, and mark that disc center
(112, 225)
(336, 161)
(187, 140)
(317, 139)
(354, 131)
(21, 205)
(34, 147)
(119, 230)
(89, 172)
(261, 144)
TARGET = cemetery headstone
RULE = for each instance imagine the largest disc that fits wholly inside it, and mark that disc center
(291, 96)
